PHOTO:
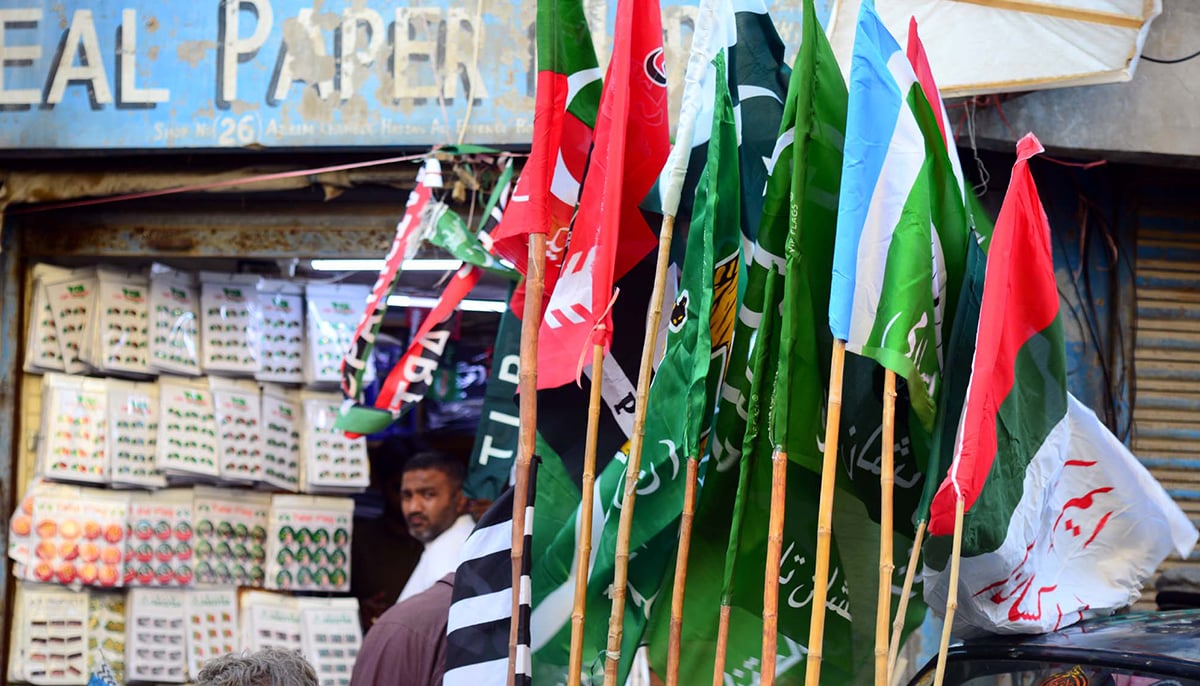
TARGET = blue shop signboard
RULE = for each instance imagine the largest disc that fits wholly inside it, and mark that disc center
(148, 74)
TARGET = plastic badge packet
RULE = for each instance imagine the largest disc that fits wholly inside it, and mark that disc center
(72, 300)
(53, 639)
(332, 637)
(43, 353)
(280, 435)
(73, 445)
(334, 311)
(283, 331)
(231, 536)
(270, 620)
(212, 629)
(120, 324)
(187, 429)
(174, 321)
(21, 540)
(230, 323)
(239, 425)
(159, 545)
(133, 435)
(309, 543)
(331, 462)
(80, 539)
(106, 631)
(156, 633)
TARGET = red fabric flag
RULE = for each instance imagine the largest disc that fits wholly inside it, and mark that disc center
(610, 234)
(1013, 364)
(920, 64)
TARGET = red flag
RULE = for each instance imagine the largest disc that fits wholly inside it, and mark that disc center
(610, 235)
(920, 64)
(1013, 363)
(565, 112)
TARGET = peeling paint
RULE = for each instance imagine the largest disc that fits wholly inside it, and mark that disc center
(152, 23)
(242, 107)
(152, 53)
(59, 9)
(194, 51)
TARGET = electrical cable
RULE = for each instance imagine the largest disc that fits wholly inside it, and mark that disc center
(1158, 60)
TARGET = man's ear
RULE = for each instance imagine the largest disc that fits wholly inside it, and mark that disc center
(461, 502)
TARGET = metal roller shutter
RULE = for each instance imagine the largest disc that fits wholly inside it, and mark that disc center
(1167, 355)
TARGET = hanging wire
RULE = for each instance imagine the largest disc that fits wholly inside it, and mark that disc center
(979, 189)
(1178, 60)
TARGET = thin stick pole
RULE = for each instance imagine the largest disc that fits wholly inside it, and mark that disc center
(770, 645)
(909, 575)
(582, 567)
(952, 594)
(535, 280)
(675, 642)
(616, 620)
(722, 647)
(833, 419)
(887, 478)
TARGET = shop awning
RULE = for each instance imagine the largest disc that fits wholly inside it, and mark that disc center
(998, 46)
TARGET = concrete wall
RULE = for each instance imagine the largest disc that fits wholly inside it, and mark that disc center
(1157, 113)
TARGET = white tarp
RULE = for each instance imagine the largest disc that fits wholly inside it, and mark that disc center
(996, 46)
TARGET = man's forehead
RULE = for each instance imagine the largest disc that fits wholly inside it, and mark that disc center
(425, 477)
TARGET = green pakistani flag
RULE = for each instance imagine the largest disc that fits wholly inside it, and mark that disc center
(679, 410)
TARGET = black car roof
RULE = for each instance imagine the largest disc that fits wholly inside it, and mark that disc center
(1127, 638)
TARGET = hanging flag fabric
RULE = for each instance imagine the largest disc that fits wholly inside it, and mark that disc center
(631, 145)
(568, 98)
(726, 561)
(1061, 521)
(407, 382)
(477, 631)
(495, 448)
(679, 410)
(902, 225)
(354, 365)
(448, 231)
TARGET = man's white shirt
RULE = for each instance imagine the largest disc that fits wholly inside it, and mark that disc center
(441, 556)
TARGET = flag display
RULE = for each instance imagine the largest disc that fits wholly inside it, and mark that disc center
(679, 409)
(1061, 521)
(609, 235)
(407, 238)
(902, 224)
(408, 382)
(567, 101)
(477, 630)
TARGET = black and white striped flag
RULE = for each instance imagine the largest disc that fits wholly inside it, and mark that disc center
(481, 610)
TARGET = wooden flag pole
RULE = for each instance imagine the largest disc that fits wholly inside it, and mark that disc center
(582, 566)
(833, 419)
(887, 478)
(675, 641)
(616, 619)
(911, 572)
(952, 594)
(722, 647)
(770, 646)
(535, 281)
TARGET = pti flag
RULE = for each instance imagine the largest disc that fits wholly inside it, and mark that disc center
(1061, 522)
(609, 235)
(568, 97)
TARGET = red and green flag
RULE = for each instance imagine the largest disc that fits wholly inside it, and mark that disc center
(1061, 522)
(568, 98)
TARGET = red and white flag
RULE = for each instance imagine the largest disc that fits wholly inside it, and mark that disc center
(610, 235)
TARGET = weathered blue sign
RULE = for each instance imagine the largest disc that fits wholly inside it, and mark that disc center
(137, 74)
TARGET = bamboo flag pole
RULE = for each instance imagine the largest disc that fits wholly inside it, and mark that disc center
(952, 595)
(913, 558)
(722, 647)
(770, 646)
(587, 485)
(675, 641)
(535, 281)
(833, 419)
(887, 478)
(616, 619)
